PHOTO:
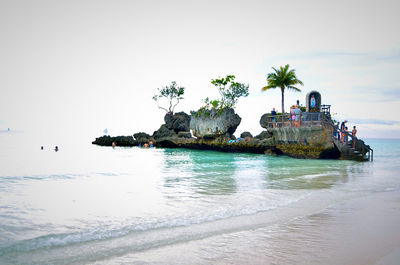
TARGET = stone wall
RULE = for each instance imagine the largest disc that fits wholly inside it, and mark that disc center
(308, 135)
(305, 142)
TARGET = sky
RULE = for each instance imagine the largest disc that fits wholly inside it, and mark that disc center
(78, 67)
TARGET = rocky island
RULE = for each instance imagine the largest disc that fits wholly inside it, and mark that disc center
(314, 138)
(307, 134)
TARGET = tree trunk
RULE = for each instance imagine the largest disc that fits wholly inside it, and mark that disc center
(283, 100)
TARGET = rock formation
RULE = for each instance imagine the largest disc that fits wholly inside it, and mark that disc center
(176, 125)
(214, 131)
(211, 124)
(107, 140)
(141, 138)
(163, 132)
(301, 142)
(246, 135)
(179, 122)
(264, 120)
(264, 135)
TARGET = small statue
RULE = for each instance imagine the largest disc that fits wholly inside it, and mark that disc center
(312, 101)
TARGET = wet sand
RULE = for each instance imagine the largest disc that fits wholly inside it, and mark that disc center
(361, 231)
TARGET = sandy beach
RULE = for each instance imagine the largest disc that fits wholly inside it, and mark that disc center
(361, 231)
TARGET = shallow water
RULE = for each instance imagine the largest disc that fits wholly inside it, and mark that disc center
(89, 204)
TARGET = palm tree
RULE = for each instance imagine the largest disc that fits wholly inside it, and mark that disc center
(283, 78)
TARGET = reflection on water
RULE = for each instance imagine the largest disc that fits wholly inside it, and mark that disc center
(215, 173)
(211, 173)
(287, 173)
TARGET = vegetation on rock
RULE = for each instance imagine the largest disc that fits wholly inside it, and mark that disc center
(230, 92)
(284, 79)
(172, 93)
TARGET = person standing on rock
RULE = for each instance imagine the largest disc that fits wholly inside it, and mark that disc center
(273, 117)
(337, 133)
(342, 129)
(345, 135)
(353, 133)
(297, 113)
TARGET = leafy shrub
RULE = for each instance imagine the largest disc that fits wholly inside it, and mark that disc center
(230, 92)
(172, 93)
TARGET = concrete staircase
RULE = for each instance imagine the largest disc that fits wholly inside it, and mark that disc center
(360, 152)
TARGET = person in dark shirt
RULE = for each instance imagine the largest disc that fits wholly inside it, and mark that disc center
(336, 134)
(273, 114)
(342, 129)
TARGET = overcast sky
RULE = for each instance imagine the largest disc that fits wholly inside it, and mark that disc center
(79, 67)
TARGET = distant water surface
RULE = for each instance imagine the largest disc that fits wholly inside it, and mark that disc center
(88, 204)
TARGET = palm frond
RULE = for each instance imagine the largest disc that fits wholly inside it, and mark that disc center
(267, 87)
(294, 88)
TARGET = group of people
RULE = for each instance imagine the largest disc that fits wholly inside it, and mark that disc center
(294, 116)
(55, 148)
(147, 145)
(341, 130)
(342, 133)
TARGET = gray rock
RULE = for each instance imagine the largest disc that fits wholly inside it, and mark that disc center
(309, 135)
(264, 135)
(246, 135)
(184, 135)
(107, 140)
(164, 132)
(265, 119)
(179, 122)
(142, 137)
(214, 123)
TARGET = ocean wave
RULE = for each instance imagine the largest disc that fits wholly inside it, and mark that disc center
(105, 232)
(14, 179)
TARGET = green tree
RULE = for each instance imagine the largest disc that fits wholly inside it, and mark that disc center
(230, 90)
(172, 93)
(283, 78)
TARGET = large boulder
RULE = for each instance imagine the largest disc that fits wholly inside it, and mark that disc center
(214, 123)
(264, 135)
(107, 140)
(246, 135)
(265, 120)
(179, 122)
(142, 137)
(163, 132)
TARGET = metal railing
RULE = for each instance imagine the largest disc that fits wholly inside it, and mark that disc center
(304, 119)
(346, 138)
(319, 119)
(326, 109)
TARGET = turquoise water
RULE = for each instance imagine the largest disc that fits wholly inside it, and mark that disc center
(88, 204)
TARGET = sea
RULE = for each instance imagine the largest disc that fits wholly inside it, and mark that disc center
(87, 204)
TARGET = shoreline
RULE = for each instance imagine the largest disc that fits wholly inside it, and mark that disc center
(360, 231)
